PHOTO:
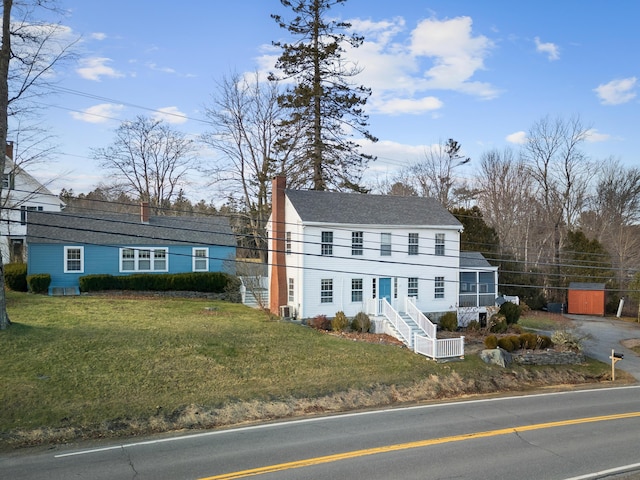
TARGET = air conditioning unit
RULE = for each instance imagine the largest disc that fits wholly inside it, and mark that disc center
(285, 311)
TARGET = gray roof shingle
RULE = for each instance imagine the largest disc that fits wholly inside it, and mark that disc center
(473, 260)
(125, 229)
(366, 209)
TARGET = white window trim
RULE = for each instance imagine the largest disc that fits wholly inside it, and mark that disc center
(136, 251)
(66, 258)
(194, 258)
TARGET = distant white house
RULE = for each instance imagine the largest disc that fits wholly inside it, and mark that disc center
(332, 251)
(21, 193)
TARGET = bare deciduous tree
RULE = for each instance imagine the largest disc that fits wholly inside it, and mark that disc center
(614, 215)
(435, 174)
(150, 159)
(246, 116)
(506, 201)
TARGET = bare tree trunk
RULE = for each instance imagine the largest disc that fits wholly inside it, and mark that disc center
(5, 56)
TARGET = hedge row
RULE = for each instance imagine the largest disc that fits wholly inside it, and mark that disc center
(209, 282)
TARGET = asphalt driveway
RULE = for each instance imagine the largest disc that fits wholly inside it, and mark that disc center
(605, 334)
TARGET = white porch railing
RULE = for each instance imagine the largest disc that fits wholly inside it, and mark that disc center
(398, 322)
(437, 348)
(420, 318)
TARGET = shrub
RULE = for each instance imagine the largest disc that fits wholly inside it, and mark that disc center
(543, 341)
(473, 326)
(511, 312)
(340, 322)
(39, 282)
(506, 344)
(361, 322)
(566, 340)
(320, 322)
(449, 322)
(491, 341)
(515, 341)
(498, 323)
(529, 341)
(15, 276)
(96, 283)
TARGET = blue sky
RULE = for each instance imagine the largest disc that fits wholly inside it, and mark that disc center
(481, 72)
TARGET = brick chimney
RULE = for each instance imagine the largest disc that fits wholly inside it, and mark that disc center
(9, 150)
(144, 212)
(278, 283)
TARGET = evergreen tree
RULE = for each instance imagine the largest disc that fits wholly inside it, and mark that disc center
(323, 104)
(585, 260)
(476, 236)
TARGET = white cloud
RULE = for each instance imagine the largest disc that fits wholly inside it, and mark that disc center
(95, 68)
(170, 115)
(519, 138)
(593, 136)
(551, 49)
(408, 106)
(99, 36)
(100, 113)
(441, 55)
(154, 66)
(617, 91)
(456, 54)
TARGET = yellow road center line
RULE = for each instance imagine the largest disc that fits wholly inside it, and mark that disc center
(420, 443)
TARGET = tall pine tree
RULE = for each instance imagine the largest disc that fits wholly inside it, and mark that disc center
(321, 101)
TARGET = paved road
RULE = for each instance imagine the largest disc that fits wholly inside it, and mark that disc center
(605, 334)
(558, 435)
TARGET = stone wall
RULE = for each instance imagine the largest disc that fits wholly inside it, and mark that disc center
(548, 358)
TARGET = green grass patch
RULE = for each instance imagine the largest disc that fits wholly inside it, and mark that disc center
(82, 362)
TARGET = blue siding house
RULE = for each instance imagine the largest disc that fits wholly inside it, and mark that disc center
(71, 245)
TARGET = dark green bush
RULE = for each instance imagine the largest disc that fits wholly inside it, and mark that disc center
(39, 282)
(506, 344)
(96, 283)
(515, 341)
(491, 341)
(361, 323)
(511, 312)
(449, 322)
(340, 322)
(210, 282)
(529, 341)
(15, 276)
(320, 322)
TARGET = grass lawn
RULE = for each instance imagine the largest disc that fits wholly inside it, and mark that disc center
(83, 363)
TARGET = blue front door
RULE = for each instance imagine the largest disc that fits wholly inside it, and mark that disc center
(385, 289)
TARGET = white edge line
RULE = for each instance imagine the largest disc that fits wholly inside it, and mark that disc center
(606, 472)
(332, 417)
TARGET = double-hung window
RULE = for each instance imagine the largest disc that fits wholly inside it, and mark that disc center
(291, 290)
(385, 244)
(357, 243)
(73, 259)
(287, 243)
(413, 244)
(412, 287)
(327, 243)
(439, 287)
(143, 259)
(356, 289)
(200, 256)
(440, 244)
(7, 181)
(326, 290)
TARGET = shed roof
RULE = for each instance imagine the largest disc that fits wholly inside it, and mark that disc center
(473, 260)
(366, 209)
(127, 229)
(586, 286)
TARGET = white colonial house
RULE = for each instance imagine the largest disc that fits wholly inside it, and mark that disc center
(395, 258)
(21, 193)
